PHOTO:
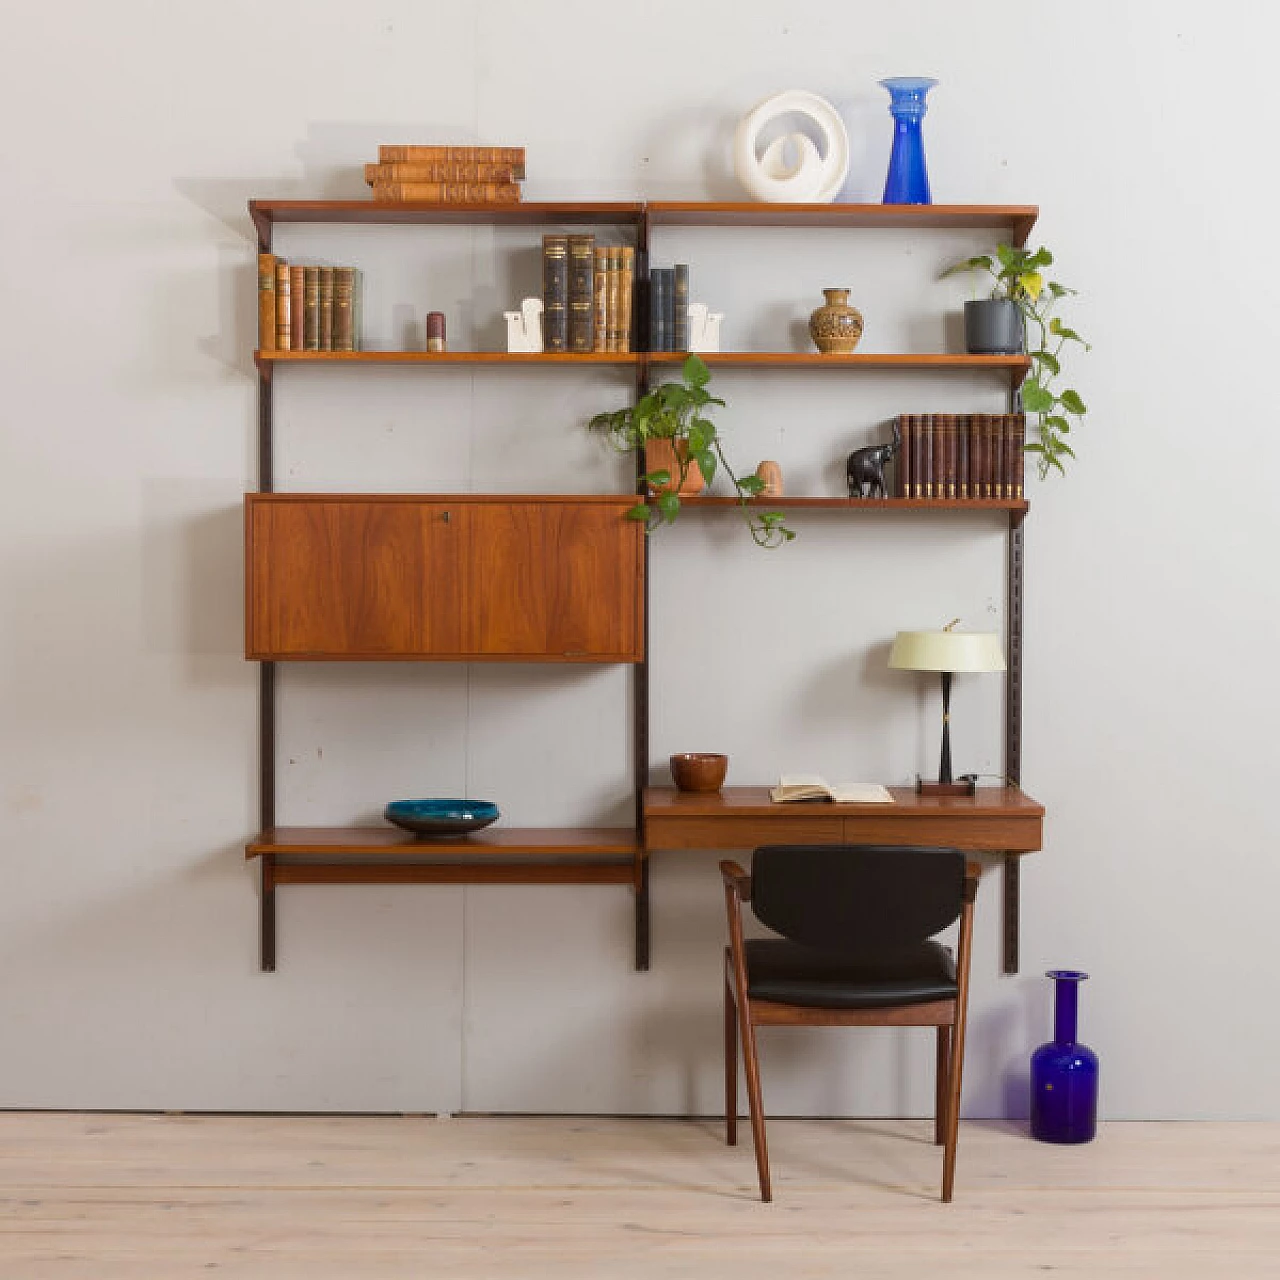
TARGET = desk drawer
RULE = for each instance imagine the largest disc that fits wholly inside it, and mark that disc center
(972, 832)
(675, 832)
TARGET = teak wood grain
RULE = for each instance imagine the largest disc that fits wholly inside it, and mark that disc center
(995, 819)
(390, 842)
(554, 578)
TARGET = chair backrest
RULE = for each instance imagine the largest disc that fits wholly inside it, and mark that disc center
(857, 898)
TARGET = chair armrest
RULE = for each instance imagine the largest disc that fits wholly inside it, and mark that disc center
(736, 879)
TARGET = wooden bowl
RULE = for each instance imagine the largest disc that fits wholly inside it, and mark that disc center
(699, 770)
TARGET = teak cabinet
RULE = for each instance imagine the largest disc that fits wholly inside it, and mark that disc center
(462, 577)
(545, 578)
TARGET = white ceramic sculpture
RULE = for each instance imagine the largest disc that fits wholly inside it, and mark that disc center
(704, 327)
(816, 175)
(524, 327)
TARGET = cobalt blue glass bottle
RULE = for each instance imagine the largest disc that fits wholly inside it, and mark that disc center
(908, 180)
(1064, 1073)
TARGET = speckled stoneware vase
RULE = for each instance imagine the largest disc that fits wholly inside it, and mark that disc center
(836, 326)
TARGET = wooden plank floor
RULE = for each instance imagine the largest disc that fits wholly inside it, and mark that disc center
(145, 1197)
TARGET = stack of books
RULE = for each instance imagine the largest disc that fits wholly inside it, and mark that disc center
(446, 175)
(669, 308)
(307, 307)
(586, 294)
(961, 455)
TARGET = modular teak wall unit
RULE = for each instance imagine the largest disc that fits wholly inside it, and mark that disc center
(544, 578)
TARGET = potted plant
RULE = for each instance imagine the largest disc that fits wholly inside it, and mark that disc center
(682, 447)
(1019, 316)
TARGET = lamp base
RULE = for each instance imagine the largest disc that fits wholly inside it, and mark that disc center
(969, 788)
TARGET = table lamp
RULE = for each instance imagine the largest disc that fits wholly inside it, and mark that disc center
(946, 651)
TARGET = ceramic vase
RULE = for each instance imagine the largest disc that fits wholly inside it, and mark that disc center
(836, 326)
(1064, 1072)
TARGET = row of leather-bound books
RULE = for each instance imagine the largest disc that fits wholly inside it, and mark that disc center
(446, 174)
(587, 294)
(306, 307)
(960, 455)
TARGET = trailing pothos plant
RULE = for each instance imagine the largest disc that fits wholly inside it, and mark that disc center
(1018, 276)
(676, 412)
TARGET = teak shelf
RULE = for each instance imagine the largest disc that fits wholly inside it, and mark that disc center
(607, 856)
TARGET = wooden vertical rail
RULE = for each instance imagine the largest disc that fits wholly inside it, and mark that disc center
(1011, 867)
(640, 677)
(266, 679)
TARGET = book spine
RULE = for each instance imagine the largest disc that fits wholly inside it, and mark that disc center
(555, 292)
(439, 173)
(343, 327)
(989, 427)
(326, 308)
(626, 279)
(680, 307)
(903, 472)
(953, 456)
(939, 455)
(311, 309)
(266, 302)
(1019, 434)
(669, 309)
(284, 329)
(297, 295)
(448, 192)
(414, 154)
(962, 455)
(357, 309)
(599, 300)
(581, 291)
(917, 455)
(659, 307)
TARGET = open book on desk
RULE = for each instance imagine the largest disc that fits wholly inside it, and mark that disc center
(808, 786)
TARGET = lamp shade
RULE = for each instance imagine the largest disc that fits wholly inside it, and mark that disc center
(947, 651)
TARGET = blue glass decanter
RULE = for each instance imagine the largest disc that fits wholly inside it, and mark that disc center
(908, 179)
(1064, 1073)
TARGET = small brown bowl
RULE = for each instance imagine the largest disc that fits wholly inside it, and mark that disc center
(699, 770)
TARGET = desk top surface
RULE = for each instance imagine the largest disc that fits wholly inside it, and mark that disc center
(1006, 802)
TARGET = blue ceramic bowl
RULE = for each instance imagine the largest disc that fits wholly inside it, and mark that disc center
(441, 817)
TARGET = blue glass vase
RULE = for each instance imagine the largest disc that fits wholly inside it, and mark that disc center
(908, 179)
(1064, 1072)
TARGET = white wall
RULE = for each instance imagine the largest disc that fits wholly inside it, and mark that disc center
(134, 135)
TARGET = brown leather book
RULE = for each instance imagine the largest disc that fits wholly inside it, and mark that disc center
(612, 301)
(555, 292)
(626, 275)
(1018, 439)
(926, 455)
(581, 291)
(939, 455)
(326, 308)
(311, 309)
(917, 456)
(906, 429)
(964, 429)
(266, 302)
(415, 154)
(448, 192)
(343, 314)
(284, 329)
(599, 298)
(998, 422)
(297, 291)
(439, 173)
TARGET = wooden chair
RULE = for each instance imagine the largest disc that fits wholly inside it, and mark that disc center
(856, 925)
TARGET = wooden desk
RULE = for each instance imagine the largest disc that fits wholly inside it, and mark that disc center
(1000, 820)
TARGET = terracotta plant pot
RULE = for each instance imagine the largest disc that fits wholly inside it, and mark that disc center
(659, 455)
(836, 327)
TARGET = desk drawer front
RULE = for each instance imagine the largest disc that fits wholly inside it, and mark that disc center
(673, 832)
(994, 834)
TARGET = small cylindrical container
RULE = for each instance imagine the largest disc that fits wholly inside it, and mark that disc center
(1064, 1072)
(435, 331)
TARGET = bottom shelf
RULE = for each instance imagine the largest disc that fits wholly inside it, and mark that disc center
(503, 855)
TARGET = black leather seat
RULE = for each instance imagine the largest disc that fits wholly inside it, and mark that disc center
(856, 948)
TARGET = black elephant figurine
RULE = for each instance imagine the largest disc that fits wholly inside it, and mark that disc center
(865, 468)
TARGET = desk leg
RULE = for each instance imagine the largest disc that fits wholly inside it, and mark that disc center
(642, 911)
(1009, 890)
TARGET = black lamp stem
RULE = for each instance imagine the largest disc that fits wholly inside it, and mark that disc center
(944, 769)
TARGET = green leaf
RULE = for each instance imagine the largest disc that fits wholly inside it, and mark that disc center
(1035, 399)
(1049, 360)
(1010, 259)
(1033, 448)
(1064, 447)
(1041, 258)
(706, 461)
(1056, 423)
(657, 479)
(1031, 282)
(1072, 403)
(695, 371)
(639, 512)
(980, 263)
(669, 506)
(750, 486)
(1060, 330)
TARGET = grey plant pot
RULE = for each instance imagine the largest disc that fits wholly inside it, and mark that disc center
(992, 327)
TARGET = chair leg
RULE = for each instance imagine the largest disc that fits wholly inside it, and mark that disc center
(953, 1104)
(751, 1063)
(730, 1065)
(941, 1083)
